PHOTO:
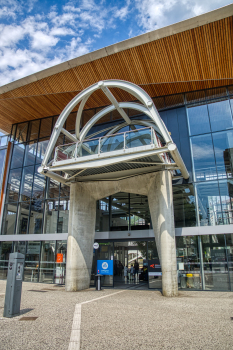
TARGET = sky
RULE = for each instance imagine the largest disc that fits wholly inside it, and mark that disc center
(37, 34)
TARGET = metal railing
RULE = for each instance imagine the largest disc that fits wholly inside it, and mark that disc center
(108, 143)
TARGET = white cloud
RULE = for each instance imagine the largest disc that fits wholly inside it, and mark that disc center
(154, 14)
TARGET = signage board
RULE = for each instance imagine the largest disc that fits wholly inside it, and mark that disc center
(96, 245)
(105, 267)
(59, 258)
(154, 268)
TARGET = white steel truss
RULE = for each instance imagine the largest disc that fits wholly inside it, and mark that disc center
(76, 166)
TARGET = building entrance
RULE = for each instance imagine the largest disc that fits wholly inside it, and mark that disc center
(131, 261)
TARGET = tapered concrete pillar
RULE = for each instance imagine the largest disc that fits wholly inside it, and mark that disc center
(81, 234)
(160, 200)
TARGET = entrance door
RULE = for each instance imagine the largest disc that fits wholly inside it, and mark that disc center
(129, 258)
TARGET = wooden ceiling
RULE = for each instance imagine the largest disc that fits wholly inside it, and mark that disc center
(194, 59)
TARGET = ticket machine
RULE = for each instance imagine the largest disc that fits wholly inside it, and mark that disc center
(14, 285)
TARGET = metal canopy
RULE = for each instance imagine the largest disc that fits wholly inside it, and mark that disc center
(115, 155)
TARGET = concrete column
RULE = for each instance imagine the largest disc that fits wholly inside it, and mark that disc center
(81, 234)
(161, 207)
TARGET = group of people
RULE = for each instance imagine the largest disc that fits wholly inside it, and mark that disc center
(132, 271)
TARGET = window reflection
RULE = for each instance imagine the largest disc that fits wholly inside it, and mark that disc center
(203, 158)
(32, 257)
(209, 204)
(184, 206)
(198, 120)
(51, 215)
(47, 261)
(17, 156)
(223, 148)
(30, 153)
(188, 262)
(23, 218)
(9, 219)
(220, 115)
(215, 262)
(6, 248)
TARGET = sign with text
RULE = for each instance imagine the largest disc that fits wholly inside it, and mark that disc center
(105, 267)
(154, 268)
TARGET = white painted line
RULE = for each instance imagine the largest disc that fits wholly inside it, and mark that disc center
(75, 338)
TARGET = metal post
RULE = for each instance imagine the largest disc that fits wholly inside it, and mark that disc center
(76, 150)
(201, 263)
(99, 146)
(124, 140)
(151, 135)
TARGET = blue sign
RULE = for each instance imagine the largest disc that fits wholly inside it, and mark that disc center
(105, 267)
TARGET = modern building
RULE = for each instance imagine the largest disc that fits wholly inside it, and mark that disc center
(129, 146)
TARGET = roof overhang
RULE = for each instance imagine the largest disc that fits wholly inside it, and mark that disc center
(191, 55)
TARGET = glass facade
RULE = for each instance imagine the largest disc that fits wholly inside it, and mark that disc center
(201, 126)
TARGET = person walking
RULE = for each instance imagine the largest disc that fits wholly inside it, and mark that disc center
(136, 269)
(125, 273)
(131, 272)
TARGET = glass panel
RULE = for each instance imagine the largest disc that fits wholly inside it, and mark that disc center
(88, 148)
(32, 257)
(2, 164)
(13, 185)
(47, 261)
(184, 206)
(198, 120)
(112, 143)
(20, 247)
(39, 183)
(102, 215)
(105, 252)
(155, 282)
(36, 217)
(120, 265)
(209, 204)
(63, 216)
(220, 115)
(17, 156)
(119, 219)
(60, 262)
(139, 212)
(229, 247)
(138, 138)
(46, 127)
(33, 130)
(6, 248)
(203, 158)
(215, 262)
(52, 188)
(23, 218)
(9, 217)
(21, 132)
(26, 183)
(51, 215)
(30, 153)
(223, 148)
(188, 262)
(41, 149)
(226, 193)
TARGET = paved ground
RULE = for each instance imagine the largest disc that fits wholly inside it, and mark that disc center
(131, 319)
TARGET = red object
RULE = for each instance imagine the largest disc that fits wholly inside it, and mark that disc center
(59, 258)
(98, 271)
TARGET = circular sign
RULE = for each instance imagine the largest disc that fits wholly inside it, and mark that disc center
(96, 245)
(105, 265)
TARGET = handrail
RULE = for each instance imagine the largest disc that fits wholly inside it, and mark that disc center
(84, 144)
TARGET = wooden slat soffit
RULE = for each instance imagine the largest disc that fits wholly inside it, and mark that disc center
(195, 59)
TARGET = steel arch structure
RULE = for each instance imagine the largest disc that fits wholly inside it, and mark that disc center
(146, 106)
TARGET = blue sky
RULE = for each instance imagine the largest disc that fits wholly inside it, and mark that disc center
(35, 35)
